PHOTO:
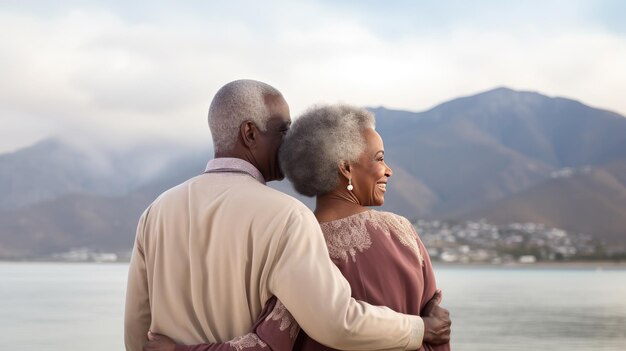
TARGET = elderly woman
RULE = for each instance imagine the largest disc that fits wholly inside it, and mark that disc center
(334, 154)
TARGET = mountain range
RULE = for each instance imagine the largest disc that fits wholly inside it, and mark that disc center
(503, 155)
(510, 156)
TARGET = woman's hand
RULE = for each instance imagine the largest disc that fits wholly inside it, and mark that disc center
(158, 342)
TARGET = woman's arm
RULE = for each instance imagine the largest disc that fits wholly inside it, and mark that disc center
(432, 308)
(275, 330)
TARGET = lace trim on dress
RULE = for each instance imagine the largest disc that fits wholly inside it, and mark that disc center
(281, 313)
(246, 341)
(348, 235)
(401, 228)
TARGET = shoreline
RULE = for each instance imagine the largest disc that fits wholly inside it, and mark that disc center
(595, 265)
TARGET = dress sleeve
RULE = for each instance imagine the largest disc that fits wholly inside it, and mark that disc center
(312, 288)
(137, 316)
(275, 329)
(430, 288)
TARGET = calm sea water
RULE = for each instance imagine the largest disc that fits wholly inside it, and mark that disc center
(55, 306)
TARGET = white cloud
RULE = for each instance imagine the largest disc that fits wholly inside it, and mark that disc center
(98, 73)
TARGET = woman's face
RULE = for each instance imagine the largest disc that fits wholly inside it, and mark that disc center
(370, 173)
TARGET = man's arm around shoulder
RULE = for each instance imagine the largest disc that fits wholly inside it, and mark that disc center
(319, 298)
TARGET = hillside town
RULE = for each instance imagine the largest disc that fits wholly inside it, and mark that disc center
(483, 242)
(463, 242)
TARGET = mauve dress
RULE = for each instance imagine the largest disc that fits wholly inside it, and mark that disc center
(385, 262)
(383, 259)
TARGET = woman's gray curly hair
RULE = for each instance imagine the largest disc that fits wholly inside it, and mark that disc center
(320, 140)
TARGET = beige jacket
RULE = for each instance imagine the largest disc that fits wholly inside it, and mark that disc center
(210, 252)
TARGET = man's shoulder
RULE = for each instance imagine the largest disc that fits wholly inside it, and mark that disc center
(243, 191)
(248, 191)
(174, 194)
(265, 196)
(181, 187)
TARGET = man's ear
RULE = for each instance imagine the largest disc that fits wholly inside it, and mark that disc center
(248, 133)
(345, 169)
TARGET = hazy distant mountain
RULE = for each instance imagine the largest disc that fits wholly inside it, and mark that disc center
(53, 168)
(49, 169)
(503, 155)
(96, 221)
(71, 221)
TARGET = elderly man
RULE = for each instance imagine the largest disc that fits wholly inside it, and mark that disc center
(209, 253)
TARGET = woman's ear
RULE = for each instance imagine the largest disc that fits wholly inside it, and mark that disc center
(248, 133)
(345, 169)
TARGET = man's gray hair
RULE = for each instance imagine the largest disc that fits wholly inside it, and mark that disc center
(319, 141)
(237, 102)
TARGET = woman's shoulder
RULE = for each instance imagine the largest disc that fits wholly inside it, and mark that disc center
(376, 219)
(348, 236)
(402, 229)
(395, 220)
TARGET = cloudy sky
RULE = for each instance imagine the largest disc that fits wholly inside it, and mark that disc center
(114, 71)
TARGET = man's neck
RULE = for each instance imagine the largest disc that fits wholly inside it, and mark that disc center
(231, 154)
(240, 155)
(233, 164)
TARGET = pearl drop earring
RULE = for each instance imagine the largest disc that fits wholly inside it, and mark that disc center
(349, 187)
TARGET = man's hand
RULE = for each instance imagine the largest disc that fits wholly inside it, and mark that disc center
(434, 301)
(436, 321)
(158, 342)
